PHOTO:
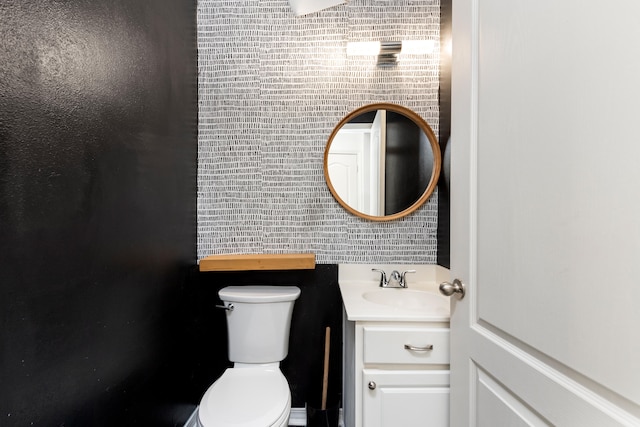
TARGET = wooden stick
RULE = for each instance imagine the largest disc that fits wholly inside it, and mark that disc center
(325, 377)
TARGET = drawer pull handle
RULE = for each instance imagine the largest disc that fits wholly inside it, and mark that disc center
(415, 348)
(371, 385)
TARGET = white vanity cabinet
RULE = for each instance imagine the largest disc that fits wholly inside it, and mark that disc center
(396, 374)
(396, 347)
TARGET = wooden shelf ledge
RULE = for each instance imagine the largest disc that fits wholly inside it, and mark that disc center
(248, 262)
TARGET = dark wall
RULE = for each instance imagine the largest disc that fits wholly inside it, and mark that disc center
(444, 233)
(403, 189)
(318, 306)
(98, 151)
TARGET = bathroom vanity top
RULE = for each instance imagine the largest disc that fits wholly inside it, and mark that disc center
(365, 300)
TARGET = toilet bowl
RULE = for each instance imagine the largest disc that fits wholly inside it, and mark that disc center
(254, 392)
(247, 397)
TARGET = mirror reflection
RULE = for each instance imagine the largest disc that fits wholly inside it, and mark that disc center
(382, 161)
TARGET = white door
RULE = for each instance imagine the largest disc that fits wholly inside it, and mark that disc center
(379, 164)
(546, 213)
(343, 169)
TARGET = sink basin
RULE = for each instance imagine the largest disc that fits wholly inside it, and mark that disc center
(408, 299)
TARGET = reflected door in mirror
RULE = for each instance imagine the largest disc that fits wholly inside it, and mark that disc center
(356, 165)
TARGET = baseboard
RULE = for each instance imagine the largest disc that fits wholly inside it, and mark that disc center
(298, 417)
(192, 421)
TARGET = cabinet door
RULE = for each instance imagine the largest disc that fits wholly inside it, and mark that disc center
(407, 398)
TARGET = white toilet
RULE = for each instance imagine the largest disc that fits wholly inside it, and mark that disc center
(254, 392)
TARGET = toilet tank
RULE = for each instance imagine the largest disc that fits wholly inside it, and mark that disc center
(259, 323)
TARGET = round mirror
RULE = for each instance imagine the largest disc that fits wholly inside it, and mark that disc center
(382, 162)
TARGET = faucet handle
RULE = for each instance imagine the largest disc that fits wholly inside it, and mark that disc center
(383, 277)
(403, 280)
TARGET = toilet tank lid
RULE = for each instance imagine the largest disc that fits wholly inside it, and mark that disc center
(259, 294)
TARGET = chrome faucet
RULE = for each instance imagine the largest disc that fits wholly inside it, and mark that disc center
(396, 279)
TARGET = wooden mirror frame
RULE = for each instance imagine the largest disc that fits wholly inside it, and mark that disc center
(435, 147)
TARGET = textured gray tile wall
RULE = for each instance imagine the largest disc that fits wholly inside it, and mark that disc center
(271, 88)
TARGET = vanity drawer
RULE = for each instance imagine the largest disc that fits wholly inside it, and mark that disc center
(387, 344)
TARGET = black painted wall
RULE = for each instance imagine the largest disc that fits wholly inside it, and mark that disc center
(98, 149)
(403, 189)
(319, 306)
(444, 203)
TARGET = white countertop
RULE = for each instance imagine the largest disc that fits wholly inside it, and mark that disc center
(357, 279)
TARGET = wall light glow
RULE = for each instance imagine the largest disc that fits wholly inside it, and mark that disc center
(363, 48)
(417, 47)
(388, 51)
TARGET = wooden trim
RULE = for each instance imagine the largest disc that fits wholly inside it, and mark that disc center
(247, 262)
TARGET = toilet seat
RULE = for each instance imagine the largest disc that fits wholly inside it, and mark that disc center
(246, 397)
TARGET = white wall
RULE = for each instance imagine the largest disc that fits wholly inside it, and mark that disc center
(271, 88)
